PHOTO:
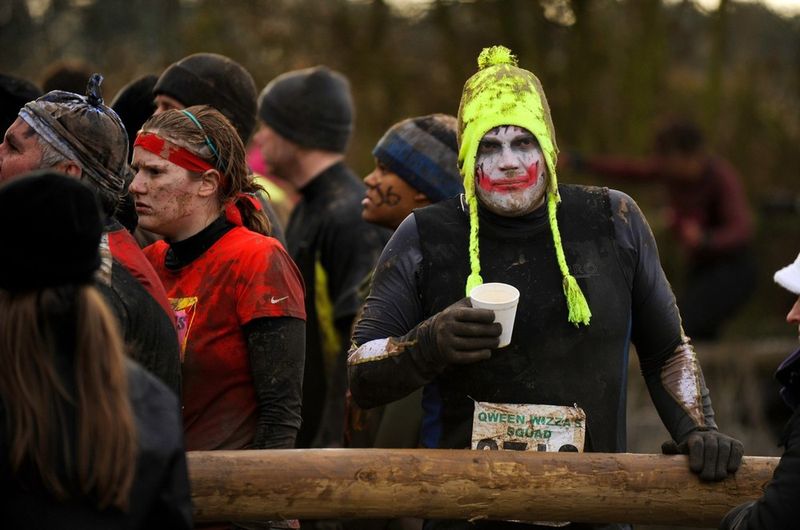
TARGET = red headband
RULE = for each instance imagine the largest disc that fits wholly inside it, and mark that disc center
(174, 153)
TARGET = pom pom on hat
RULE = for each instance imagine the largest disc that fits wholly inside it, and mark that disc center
(496, 55)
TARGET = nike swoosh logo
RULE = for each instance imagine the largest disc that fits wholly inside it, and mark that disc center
(274, 300)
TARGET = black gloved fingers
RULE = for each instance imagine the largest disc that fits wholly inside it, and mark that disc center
(735, 458)
(471, 314)
(723, 456)
(474, 329)
(670, 448)
(709, 457)
(468, 356)
(474, 343)
(694, 446)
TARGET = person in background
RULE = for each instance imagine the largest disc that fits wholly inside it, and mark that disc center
(708, 214)
(69, 75)
(83, 138)
(307, 121)
(585, 264)
(14, 93)
(134, 103)
(778, 508)
(88, 439)
(415, 165)
(218, 81)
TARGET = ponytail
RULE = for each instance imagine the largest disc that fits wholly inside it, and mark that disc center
(247, 209)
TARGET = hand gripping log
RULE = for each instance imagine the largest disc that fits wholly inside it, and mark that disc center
(530, 486)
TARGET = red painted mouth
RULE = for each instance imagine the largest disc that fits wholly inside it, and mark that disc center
(509, 184)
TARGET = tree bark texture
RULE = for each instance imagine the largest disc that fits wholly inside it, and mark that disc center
(510, 485)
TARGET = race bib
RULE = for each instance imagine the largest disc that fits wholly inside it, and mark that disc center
(548, 428)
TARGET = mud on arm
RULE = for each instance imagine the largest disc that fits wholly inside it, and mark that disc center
(276, 347)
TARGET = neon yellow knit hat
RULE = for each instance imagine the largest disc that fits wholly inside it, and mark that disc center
(503, 94)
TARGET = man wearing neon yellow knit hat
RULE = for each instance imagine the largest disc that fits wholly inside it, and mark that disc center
(590, 281)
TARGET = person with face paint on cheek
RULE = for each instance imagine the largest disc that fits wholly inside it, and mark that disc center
(590, 282)
(778, 508)
(415, 165)
(510, 173)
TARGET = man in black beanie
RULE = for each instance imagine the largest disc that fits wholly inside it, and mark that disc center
(220, 82)
(83, 138)
(307, 119)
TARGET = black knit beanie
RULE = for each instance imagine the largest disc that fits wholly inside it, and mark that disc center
(311, 107)
(215, 80)
(50, 226)
(14, 93)
(134, 104)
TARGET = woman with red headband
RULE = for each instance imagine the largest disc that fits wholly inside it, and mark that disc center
(237, 294)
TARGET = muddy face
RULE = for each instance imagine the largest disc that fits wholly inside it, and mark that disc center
(510, 171)
(165, 196)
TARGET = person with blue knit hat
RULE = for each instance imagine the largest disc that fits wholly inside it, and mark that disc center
(587, 269)
(415, 165)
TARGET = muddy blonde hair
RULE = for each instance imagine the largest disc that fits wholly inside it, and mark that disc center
(64, 389)
(229, 159)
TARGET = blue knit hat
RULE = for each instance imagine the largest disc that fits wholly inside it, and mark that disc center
(423, 151)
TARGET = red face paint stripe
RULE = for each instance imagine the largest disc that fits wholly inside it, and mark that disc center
(506, 185)
(174, 153)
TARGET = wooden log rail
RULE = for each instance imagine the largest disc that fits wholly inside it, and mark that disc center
(375, 483)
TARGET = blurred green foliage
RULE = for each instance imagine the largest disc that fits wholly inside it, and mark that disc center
(612, 69)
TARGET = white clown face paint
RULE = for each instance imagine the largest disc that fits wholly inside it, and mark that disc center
(510, 171)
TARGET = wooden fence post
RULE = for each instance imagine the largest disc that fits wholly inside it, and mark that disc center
(373, 483)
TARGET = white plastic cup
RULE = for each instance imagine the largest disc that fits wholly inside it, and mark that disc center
(502, 299)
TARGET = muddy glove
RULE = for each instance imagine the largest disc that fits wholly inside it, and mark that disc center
(463, 334)
(712, 455)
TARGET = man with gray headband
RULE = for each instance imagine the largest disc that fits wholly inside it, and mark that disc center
(83, 138)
